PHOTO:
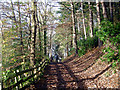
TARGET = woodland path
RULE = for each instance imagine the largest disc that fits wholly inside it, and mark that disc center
(70, 74)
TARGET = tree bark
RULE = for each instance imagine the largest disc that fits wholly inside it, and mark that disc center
(20, 30)
(111, 11)
(39, 30)
(67, 49)
(39, 34)
(29, 28)
(1, 39)
(33, 32)
(78, 24)
(45, 41)
(45, 34)
(104, 10)
(98, 19)
(74, 29)
(98, 12)
(13, 13)
(14, 21)
(73, 24)
(90, 20)
(83, 21)
(71, 41)
(50, 44)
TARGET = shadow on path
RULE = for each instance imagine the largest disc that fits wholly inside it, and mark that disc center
(67, 74)
(59, 79)
(62, 82)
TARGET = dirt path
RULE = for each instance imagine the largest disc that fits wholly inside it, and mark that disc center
(74, 73)
(59, 76)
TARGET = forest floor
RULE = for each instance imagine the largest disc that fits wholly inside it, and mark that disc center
(80, 73)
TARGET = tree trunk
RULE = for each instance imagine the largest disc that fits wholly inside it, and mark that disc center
(1, 39)
(45, 41)
(90, 20)
(33, 32)
(29, 28)
(83, 21)
(39, 34)
(74, 29)
(73, 24)
(78, 24)
(20, 30)
(13, 13)
(71, 41)
(45, 35)
(98, 19)
(51, 44)
(111, 11)
(67, 49)
(14, 18)
(98, 12)
(104, 10)
(40, 40)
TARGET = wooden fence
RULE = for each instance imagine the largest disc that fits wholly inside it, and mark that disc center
(16, 78)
